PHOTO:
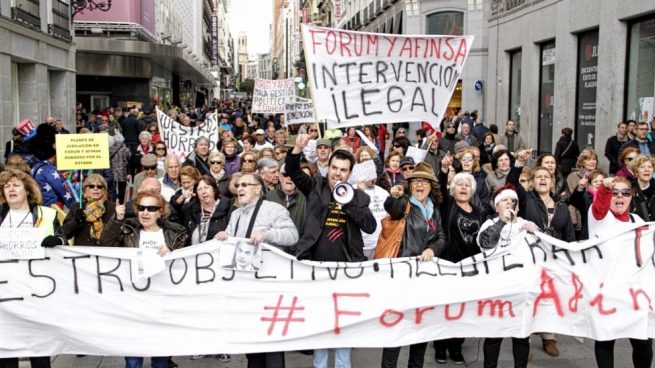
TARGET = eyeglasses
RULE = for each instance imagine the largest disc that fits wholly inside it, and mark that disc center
(150, 167)
(397, 146)
(644, 128)
(215, 162)
(244, 185)
(95, 186)
(630, 158)
(151, 209)
(313, 130)
(466, 159)
(249, 160)
(623, 192)
(152, 131)
(420, 182)
(161, 148)
(450, 126)
(523, 180)
(407, 168)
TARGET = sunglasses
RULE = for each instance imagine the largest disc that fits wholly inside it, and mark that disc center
(151, 209)
(249, 160)
(152, 131)
(397, 145)
(215, 162)
(161, 148)
(313, 130)
(150, 167)
(622, 192)
(243, 185)
(466, 159)
(407, 168)
(630, 158)
(95, 186)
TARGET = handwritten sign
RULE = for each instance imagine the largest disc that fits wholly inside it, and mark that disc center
(416, 153)
(82, 151)
(363, 172)
(300, 111)
(271, 96)
(21, 243)
(180, 139)
(360, 78)
(601, 289)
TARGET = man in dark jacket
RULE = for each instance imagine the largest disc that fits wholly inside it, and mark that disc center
(613, 146)
(332, 231)
(131, 129)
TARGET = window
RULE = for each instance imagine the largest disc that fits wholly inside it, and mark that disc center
(515, 86)
(546, 97)
(446, 23)
(585, 112)
(640, 91)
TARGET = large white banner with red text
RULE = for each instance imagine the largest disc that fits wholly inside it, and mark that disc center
(83, 300)
(360, 78)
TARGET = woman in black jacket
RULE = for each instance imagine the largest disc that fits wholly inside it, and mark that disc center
(643, 187)
(567, 151)
(209, 214)
(423, 237)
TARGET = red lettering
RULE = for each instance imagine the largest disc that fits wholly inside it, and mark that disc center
(418, 314)
(372, 40)
(343, 44)
(392, 41)
(598, 301)
(396, 315)
(314, 41)
(327, 42)
(635, 303)
(417, 46)
(577, 294)
(450, 52)
(338, 312)
(454, 318)
(407, 47)
(552, 293)
(461, 52)
(495, 306)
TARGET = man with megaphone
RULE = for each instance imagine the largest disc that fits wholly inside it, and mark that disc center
(337, 213)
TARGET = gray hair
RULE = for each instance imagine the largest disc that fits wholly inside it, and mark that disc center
(462, 177)
(145, 133)
(267, 163)
(200, 140)
(169, 157)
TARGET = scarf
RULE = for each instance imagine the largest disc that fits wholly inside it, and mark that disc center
(426, 210)
(93, 212)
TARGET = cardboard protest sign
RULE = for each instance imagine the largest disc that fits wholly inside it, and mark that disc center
(362, 172)
(21, 243)
(363, 78)
(600, 289)
(416, 153)
(82, 151)
(180, 139)
(271, 96)
(299, 111)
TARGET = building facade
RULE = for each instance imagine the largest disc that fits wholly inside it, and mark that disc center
(264, 66)
(569, 70)
(37, 64)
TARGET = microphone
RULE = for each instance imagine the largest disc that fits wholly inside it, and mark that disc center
(511, 214)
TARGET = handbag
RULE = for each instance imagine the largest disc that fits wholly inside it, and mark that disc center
(391, 236)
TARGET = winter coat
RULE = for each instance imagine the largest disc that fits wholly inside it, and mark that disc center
(82, 232)
(567, 158)
(417, 236)
(272, 218)
(126, 234)
(218, 222)
(318, 194)
(196, 161)
(518, 142)
(581, 200)
(120, 157)
(612, 150)
(641, 204)
(455, 252)
(297, 206)
(232, 164)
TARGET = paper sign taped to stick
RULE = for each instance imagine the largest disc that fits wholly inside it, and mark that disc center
(601, 289)
(300, 111)
(363, 172)
(416, 153)
(271, 96)
(82, 151)
(21, 243)
(180, 139)
(360, 78)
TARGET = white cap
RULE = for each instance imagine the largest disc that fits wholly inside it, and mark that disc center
(506, 193)
(259, 131)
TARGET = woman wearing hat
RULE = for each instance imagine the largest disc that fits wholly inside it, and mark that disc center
(498, 233)
(423, 237)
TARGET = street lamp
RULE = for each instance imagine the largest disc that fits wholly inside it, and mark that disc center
(275, 68)
(79, 6)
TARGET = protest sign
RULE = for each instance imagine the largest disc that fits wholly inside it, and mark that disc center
(367, 141)
(21, 243)
(82, 151)
(180, 139)
(299, 111)
(363, 172)
(416, 153)
(364, 78)
(600, 289)
(271, 96)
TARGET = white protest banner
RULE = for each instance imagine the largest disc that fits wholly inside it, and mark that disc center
(180, 139)
(299, 111)
(21, 243)
(416, 153)
(367, 141)
(363, 172)
(360, 78)
(271, 96)
(82, 300)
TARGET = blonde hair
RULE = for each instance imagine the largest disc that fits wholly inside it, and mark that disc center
(638, 161)
(31, 187)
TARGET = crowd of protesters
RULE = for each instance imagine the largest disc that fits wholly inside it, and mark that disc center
(274, 183)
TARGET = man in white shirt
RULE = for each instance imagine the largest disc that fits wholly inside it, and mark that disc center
(260, 140)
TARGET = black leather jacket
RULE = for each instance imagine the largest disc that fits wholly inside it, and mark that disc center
(126, 234)
(417, 236)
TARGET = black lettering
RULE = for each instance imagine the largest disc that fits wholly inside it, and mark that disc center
(205, 267)
(355, 276)
(396, 72)
(362, 74)
(325, 72)
(418, 92)
(109, 273)
(231, 277)
(556, 250)
(472, 273)
(408, 263)
(537, 245)
(507, 267)
(73, 260)
(398, 101)
(408, 72)
(443, 273)
(418, 269)
(170, 271)
(600, 254)
(2, 300)
(52, 280)
(137, 288)
(380, 69)
(366, 102)
(345, 107)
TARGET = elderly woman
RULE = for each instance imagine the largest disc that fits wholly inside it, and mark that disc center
(643, 187)
(209, 214)
(249, 162)
(466, 161)
(232, 158)
(609, 211)
(198, 158)
(160, 152)
(217, 165)
(461, 220)
(145, 143)
(153, 129)
(627, 155)
(501, 163)
(499, 232)
(587, 162)
(189, 175)
(119, 158)
(260, 221)
(424, 236)
(87, 224)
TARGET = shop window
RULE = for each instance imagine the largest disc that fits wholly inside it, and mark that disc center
(640, 90)
(445, 23)
(546, 97)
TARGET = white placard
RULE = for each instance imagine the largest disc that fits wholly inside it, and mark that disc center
(368, 142)
(363, 172)
(21, 243)
(601, 289)
(271, 96)
(300, 111)
(180, 139)
(360, 78)
(416, 153)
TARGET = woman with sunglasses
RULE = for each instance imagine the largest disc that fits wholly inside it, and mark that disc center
(86, 225)
(161, 152)
(153, 129)
(609, 211)
(249, 162)
(627, 155)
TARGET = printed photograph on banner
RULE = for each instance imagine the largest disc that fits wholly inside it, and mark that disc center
(357, 78)
(241, 255)
(271, 96)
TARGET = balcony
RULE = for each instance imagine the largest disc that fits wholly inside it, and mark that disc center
(378, 6)
(502, 6)
(27, 12)
(58, 32)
